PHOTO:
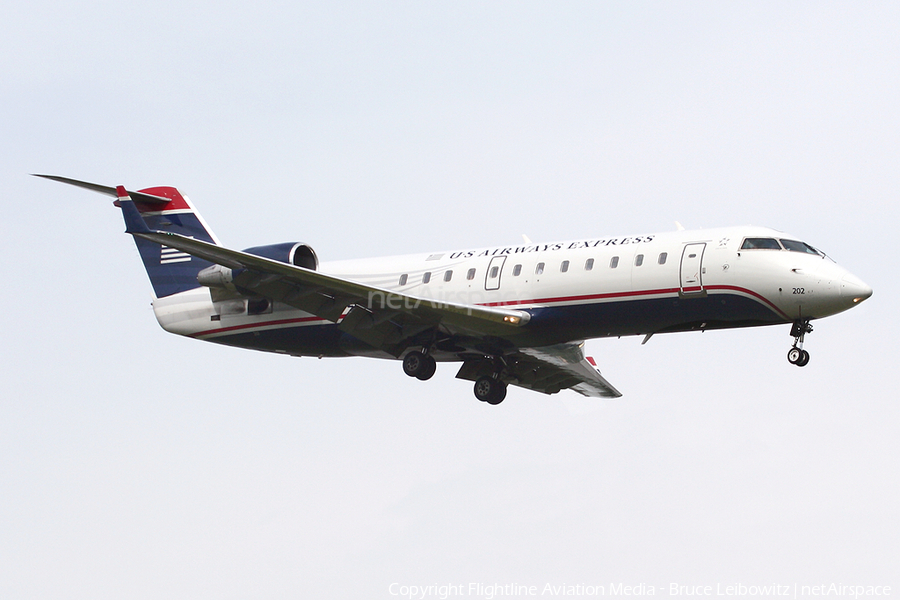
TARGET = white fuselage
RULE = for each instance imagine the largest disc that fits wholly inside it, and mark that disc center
(575, 290)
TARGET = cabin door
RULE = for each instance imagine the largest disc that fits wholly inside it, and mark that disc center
(494, 270)
(692, 269)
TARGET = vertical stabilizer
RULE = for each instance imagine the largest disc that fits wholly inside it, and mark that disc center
(160, 209)
(170, 270)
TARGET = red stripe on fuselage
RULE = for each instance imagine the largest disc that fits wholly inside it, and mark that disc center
(258, 325)
(539, 301)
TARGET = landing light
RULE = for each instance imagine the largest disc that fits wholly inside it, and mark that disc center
(512, 320)
(858, 300)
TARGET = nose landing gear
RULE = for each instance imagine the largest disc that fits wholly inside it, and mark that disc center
(797, 355)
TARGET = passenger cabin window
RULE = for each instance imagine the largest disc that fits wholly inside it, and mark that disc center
(760, 244)
(662, 258)
(470, 275)
(448, 275)
(638, 260)
(517, 270)
(426, 277)
(564, 267)
(403, 279)
(795, 246)
(539, 269)
(614, 262)
(589, 264)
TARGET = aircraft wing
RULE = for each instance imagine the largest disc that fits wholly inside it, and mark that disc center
(580, 373)
(549, 369)
(386, 319)
(380, 317)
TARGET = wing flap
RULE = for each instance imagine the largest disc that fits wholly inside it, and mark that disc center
(578, 373)
(547, 369)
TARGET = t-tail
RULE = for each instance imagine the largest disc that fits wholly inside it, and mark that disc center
(163, 209)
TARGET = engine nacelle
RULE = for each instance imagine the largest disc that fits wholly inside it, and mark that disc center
(292, 253)
(216, 276)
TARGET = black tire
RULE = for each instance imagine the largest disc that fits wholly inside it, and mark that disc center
(414, 363)
(499, 394)
(490, 390)
(804, 359)
(484, 387)
(429, 366)
(794, 355)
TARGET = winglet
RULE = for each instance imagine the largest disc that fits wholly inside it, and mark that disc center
(134, 222)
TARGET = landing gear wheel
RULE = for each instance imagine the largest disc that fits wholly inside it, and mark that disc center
(428, 368)
(414, 363)
(500, 395)
(490, 390)
(798, 357)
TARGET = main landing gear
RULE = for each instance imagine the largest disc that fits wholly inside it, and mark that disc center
(490, 389)
(797, 355)
(419, 365)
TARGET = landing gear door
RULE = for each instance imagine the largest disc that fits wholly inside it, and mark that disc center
(494, 270)
(692, 270)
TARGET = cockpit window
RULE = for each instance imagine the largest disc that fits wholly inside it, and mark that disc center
(760, 244)
(795, 246)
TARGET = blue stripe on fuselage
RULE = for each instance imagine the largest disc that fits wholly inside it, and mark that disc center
(549, 325)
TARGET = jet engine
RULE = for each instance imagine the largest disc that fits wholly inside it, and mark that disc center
(293, 253)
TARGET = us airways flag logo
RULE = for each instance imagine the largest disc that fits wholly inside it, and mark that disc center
(172, 255)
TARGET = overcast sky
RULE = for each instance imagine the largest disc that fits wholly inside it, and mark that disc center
(138, 464)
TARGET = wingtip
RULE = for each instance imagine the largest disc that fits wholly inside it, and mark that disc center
(45, 176)
(94, 187)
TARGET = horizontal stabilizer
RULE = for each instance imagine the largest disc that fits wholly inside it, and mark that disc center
(109, 191)
(152, 210)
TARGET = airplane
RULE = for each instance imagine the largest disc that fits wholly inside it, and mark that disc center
(511, 314)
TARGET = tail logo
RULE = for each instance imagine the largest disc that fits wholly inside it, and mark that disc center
(172, 255)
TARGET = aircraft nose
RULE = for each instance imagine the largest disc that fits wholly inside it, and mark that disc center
(853, 287)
